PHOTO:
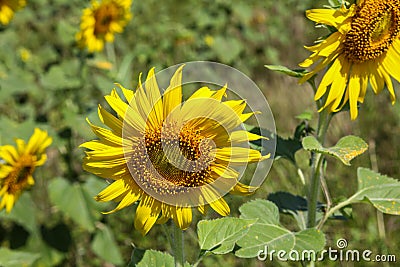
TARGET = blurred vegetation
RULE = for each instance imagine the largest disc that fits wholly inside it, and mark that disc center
(46, 81)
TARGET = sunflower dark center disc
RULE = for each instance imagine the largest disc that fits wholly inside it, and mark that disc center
(18, 178)
(374, 27)
(104, 16)
(170, 160)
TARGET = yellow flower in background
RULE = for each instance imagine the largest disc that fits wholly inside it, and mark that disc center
(170, 155)
(8, 8)
(364, 49)
(101, 21)
(18, 164)
(25, 54)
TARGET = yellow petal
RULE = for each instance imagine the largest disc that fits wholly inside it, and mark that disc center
(224, 171)
(154, 97)
(126, 112)
(173, 94)
(242, 189)
(238, 155)
(5, 170)
(111, 121)
(332, 17)
(332, 74)
(203, 92)
(389, 84)
(221, 207)
(38, 142)
(354, 92)
(376, 80)
(128, 94)
(132, 195)
(10, 200)
(244, 136)
(112, 191)
(106, 135)
(146, 214)
(182, 217)
(9, 154)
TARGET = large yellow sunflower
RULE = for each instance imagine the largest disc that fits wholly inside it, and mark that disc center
(18, 164)
(8, 8)
(364, 49)
(100, 21)
(170, 155)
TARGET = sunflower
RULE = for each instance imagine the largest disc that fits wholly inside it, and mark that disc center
(100, 21)
(8, 8)
(18, 164)
(365, 48)
(168, 155)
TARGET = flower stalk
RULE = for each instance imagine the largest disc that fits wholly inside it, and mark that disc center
(316, 169)
(177, 246)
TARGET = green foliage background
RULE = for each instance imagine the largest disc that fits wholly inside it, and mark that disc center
(57, 223)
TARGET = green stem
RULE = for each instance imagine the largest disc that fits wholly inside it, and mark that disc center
(177, 245)
(316, 169)
(334, 209)
(110, 51)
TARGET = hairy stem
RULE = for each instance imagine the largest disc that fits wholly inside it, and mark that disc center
(177, 245)
(316, 169)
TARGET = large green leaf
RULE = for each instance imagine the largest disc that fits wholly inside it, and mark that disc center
(24, 212)
(48, 255)
(71, 200)
(382, 191)
(345, 150)
(12, 258)
(105, 247)
(255, 208)
(267, 234)
(263, 236)
(155, 258)
(220, 235)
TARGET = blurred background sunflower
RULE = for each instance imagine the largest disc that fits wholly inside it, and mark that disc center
(8, 8)
(101, 21)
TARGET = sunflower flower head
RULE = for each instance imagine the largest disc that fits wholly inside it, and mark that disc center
(170, 156)
(17, 166)
(101, 21)
(8, 8)
(364, 49)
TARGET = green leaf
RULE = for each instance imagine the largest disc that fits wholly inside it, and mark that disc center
(287, 148)
(255, 208)
(11, 258)
(136, 256)
(71, 200)
(105, 247)
(48, 255)
(24, 212)
(267, 234)
(297, 73)
(305, 115)
(309, 239)
(155, 258)
(382, 191)
(261, 236)
(219, 236)
(345, 150)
